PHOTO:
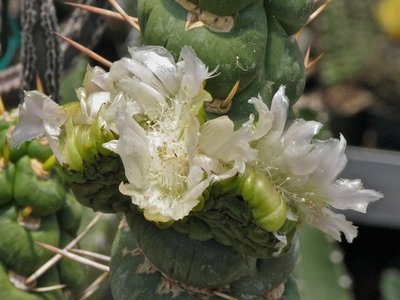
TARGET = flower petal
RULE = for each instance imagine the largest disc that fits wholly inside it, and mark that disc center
(335, 224)
(195, 72)
(330, 168)
(149, 99)
(91, 104)
(265, 118)
(279, 107)
(162, 66)
(350, 194)
(39, 115)
(132, 147)
(219, 140)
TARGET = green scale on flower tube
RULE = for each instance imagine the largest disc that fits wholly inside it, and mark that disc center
(267, 204)
(96, 186)
(82, 142)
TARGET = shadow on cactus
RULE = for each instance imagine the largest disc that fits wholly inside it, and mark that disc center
(212, 201)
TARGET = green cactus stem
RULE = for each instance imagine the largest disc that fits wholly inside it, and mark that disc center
(35, 206)
(133, 276)
(258, 50)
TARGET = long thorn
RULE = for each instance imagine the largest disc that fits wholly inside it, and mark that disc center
(318, 11)
(312, 63)
(2, 107)
(39, 84)
(91, 254)
(85, 50)
(74, 257)
(307, 56)
(313, 16)
(48, 288)
(224, 296)
(94, 286)
(39, 272)
(232, 93)
(101, 11)
(124, 14)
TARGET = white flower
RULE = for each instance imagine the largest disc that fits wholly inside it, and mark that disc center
(39, 116)
(170, 158)
(305, 169)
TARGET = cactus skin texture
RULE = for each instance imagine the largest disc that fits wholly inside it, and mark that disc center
(133, 277)
(30, 195)
(258, 50)
(97, 185)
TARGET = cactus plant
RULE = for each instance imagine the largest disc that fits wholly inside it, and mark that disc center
(212, 190)
(35, 206)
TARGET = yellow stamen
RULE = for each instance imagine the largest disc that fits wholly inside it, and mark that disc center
(85, 50)
(228, 101)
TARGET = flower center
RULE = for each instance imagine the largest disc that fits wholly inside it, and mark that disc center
(169, 165)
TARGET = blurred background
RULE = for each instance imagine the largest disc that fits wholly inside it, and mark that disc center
(354, 89)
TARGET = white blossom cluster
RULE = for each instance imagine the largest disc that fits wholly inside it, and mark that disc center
(153, 107)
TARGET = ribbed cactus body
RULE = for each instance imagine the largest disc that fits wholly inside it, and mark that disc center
(258, 50)
(97, 185)
(210, 266)
(35, 206)
(8, 290)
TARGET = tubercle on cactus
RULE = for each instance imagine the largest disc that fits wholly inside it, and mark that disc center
(5, 156)
(40, 271)
(39, 169)
(26, 220)
(19, 282)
